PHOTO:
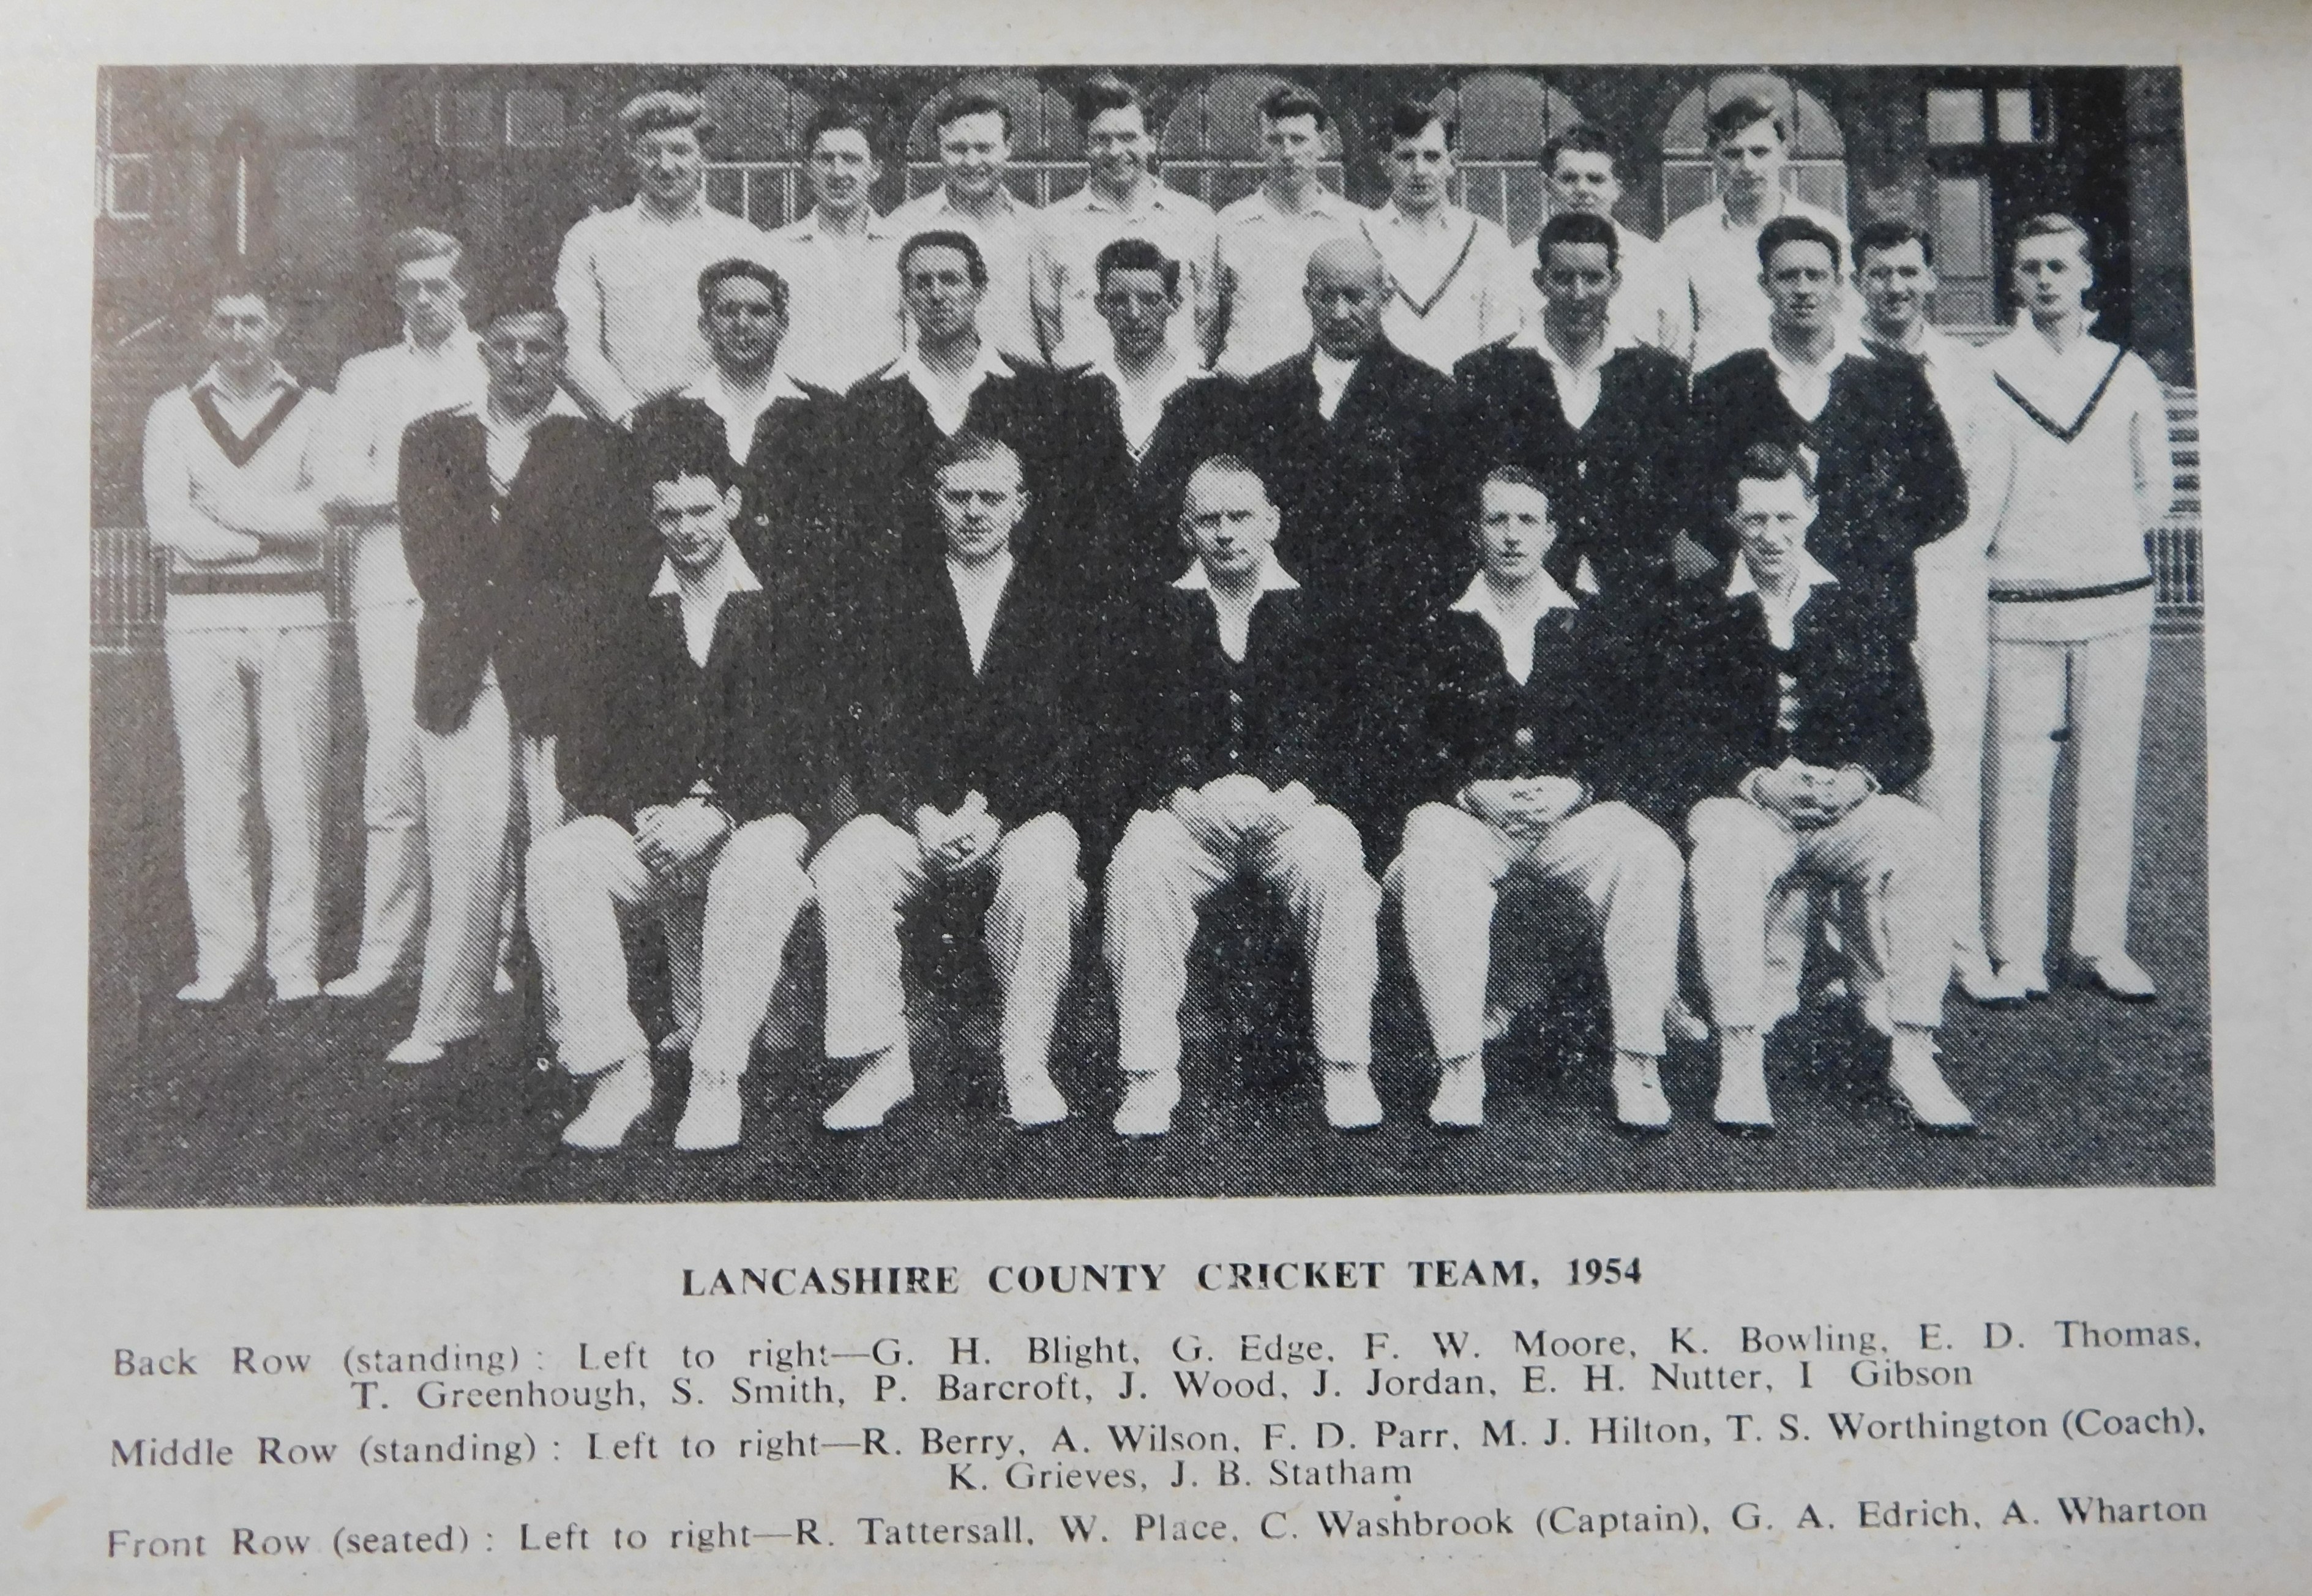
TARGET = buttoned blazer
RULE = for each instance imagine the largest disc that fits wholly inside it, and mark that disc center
(1856, 691)
(1616, 485)
(1140, 541)
(1365, 497)
(753, 724)
(531, 586)
(933, 730)
(1889, 475)
(1591, 708)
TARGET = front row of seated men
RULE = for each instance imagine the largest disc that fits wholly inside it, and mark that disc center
(738, 757)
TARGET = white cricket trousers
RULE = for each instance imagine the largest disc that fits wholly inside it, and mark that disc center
(393, 784)
(1453, 870)
(757, 891)
(1888, 849)
(1953, 649)
(477, 778)
(1159, 880)
(580, 878)
(2095, 686)
(221, 680)
(871, 871)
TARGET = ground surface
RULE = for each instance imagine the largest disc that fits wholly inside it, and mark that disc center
(252, 1105)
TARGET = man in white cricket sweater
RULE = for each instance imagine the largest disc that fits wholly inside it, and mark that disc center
(2071, 612)
(229, 495)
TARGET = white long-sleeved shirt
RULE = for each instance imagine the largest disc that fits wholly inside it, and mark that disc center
(1713, 263)
(1263, 266)
(1458, 283)
(378, 396)
(701, 594)
(845, 316)
(741, 413)
(628, 282)
(277, 483)
(1140, 405)
(979, 595)
(1076, 229)
(2080, 506)
(1007, 242)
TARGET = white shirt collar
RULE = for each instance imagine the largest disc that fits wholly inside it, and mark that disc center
(1154, 194)
(1447, 217)
(949, 399)
(561, 404)
(1812, 574)
(710, 388)
(1532, 335)
(1480, 599)
(1844, 345)
(808, 230)
(648, 214)
(1183, 370)
(462, 344)
(730, 573)
(1326, 204)
(1274, 577)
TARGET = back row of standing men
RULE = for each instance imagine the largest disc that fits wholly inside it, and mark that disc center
(474, 585)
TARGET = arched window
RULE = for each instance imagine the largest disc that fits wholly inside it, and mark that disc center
(1506, 119)
(1210, 143)
(1047, 149)
(755, 168)
(1816, 173)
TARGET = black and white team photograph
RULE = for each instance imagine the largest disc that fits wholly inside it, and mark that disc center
(742, 632)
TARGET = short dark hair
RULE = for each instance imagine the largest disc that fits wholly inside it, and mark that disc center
(1581, 138)
(1135, 255)
(1105, 93)
(970, 102)
(968, 448)
(1796, 230)
(739, 266)
(1768, 462)
(1509, 475)
(674, 447)
(1743, 111)
(522, 300)
(241, 282)
(839, 116)
(1286, 100)
(1410, 119)
(946, 237)
(1577, 227)
(1892, 232)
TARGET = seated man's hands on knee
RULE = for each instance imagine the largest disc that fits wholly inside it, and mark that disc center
(1808, 797)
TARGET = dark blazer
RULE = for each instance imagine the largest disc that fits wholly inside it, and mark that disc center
(1590, 708)
(527, 583)
(1140, 540)
(1889, 478)
(1179, 712)
(1857, 695)
(889, 442)
(1616, 485)
(753, 724)
(933, 731)
(789, 516)
(1367, 496)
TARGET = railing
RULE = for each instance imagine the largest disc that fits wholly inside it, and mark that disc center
(127, 589)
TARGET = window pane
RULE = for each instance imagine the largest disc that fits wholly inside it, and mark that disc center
(130, 186)
(534, 119)
(470, 119)
(2015, 119)
(1955, 116)
(1962, 231)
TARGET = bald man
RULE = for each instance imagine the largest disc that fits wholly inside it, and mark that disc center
(1352, 436)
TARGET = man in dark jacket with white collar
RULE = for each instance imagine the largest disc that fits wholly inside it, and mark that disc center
(965, 773)
(1229, 760)
(1353, 438)
(1539, 737)
(1803, 719)
(704, 756)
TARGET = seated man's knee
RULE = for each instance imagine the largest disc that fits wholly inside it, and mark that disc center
(1717, 822)
(1434, 829)
(571, 852)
